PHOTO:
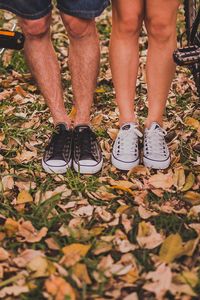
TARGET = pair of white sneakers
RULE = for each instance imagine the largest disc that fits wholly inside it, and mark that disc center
(126, 154)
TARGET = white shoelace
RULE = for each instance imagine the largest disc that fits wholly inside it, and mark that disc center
(128, 141)
(155, 142)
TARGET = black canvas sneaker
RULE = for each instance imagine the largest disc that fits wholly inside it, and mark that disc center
(58, 153)
(87, 156)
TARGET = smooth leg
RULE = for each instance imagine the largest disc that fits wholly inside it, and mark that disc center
(124, 54)
(160, 21)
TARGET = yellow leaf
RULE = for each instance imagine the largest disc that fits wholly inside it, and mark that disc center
(189, 278)
(190, 246)
(24, 197)
(96, 231)
(122, 209)
(171, 248)
(131, 276)
(179, 177)
(72, 114)
(11, 227)
(100, 90)
(192, 122)
(189, 182)
(118, 187)
(192, 197)
(79, 249)
(80, 270)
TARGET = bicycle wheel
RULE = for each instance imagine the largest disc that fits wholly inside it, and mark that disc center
(192, 21)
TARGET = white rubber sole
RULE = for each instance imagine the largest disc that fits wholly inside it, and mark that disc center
(56, 169)
(157, 165)
(84, 169)
(124, 166)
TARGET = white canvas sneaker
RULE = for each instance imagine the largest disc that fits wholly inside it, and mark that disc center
(156, 152)
(125, 153)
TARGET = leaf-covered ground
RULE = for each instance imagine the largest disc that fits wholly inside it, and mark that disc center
(115, 235)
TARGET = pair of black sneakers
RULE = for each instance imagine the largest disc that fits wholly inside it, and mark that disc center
(78, 147)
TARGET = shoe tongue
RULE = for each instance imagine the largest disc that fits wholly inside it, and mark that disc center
(154, 125)
(80, 128)
(127, 126)
(61, 127)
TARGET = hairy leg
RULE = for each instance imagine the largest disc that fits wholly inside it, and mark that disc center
(160, 21)
(43, 64)
(84, 57)
(124, 53)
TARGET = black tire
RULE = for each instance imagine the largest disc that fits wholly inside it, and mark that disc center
(192, 9)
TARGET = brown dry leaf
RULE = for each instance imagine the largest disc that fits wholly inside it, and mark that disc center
(29, 233)
(39, 266)
(192, 197)
(96, 121)
(25, 156)
(24, 197)
(171, 248)
(121, 183)
(80, 270)
(13, 290)
(72, 114)
(112, 133)
(20, 91)
(103, 194)
(163, 181)
(162, 280)
(59, 288)
(4, 255)
(146, 213)
(102, 247)
(192, 122)
(7, 182)
(148, 237)
(139, 170)
(26, 256)
(52, 244)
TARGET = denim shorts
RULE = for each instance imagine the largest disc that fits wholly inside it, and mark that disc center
(36, 9)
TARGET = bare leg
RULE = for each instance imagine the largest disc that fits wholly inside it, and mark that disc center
(124, 53)
(160, 21)
(84, 57)
(44, 66)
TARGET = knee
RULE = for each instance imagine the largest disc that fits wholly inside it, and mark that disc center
(127, 26)
(160, 30)
(78, 28)
(35, 28)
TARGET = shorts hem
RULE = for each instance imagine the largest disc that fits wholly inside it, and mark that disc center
(83, 14)
(35, 16)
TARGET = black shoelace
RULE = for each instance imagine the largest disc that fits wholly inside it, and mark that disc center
(85, 140)
(59, 140)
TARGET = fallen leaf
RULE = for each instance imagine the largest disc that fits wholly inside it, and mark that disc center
(59, 288)
(24, 197)
(171, 248)
(28, 233)
(148, 237)
(192, 122)
(190, 180)
(192, 197)
(163, 181)
(4, 255)
(80, 270)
